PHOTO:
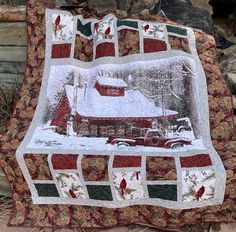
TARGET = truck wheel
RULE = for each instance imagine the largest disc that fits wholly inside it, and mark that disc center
(123, 144)
(187, 128)
(176, 145)
(181, 129)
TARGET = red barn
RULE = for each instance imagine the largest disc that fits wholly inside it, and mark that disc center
(108, 109)
(110, 86)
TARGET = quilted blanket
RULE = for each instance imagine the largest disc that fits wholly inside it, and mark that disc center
(120, 130)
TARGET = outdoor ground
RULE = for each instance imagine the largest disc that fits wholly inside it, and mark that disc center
(133, 228)
(5, 209)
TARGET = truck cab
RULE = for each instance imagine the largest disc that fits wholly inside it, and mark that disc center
(154, 138)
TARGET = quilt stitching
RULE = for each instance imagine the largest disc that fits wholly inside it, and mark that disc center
(222, 132)
(90, 112)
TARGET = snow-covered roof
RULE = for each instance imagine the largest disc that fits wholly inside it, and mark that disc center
(133, 105)
(109, 81)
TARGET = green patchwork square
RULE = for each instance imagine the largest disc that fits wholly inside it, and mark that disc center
(166, 192)
(84, 29)
(46, 190)
(176, 30)
(127, 23)
(100, 192)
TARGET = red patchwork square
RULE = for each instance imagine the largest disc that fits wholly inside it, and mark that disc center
(154, 45)
(105, 49)
(61, 50)
(64, 161)
(200, 160)
(126, 161)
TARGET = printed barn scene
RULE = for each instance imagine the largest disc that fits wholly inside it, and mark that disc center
(136, 105)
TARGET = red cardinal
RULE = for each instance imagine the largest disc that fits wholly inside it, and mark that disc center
(200, 192)
(146, 28)
(57, 23)
(96, 26)
(73, 195)
(123, 185)
(107, 32)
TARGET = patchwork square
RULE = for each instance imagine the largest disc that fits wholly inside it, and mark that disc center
(105, 49)
(126, 161)
(95, 168)
(100, 192)
(153, 30)
(84, 29)
(128, 41)
(161, 168)
(103, 29)
(70, 185)
(165, 192)
(154, 45)
(200, 160)
(38, 167)
(83, 49)
(64, 161)
(62, 27)
(198, 185)
(176, 30)
(178, 43)
(128, 185)
(46, 190)
(61, 51)
(127, 23)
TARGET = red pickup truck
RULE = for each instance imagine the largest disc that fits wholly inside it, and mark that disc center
(152, 138)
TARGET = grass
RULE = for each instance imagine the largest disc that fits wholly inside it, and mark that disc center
(8, 97)
(5, 207)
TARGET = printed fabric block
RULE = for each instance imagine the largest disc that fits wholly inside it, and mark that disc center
(113, 126)
(128, 185)
(161, 168)
(104, 29)
(62, 27)
(37, 165)
(83, 49)
(198, 185)
(95, 168)
(128, 42)
(178, 43)
(70, 185)
(153, 30)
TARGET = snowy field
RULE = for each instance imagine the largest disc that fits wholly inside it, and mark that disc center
(48, 139)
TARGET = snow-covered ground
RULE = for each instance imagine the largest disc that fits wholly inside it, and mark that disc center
(48, 139)
(183, 134)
